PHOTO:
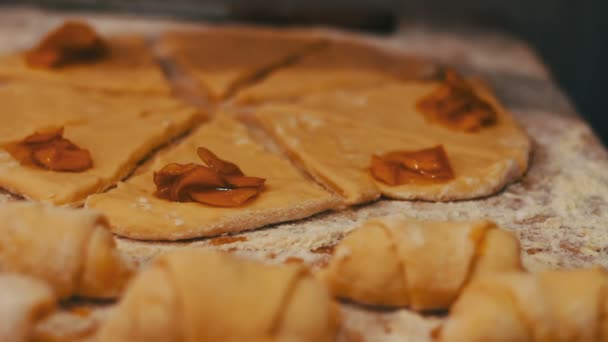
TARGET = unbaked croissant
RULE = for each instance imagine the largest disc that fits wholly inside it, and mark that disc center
(517, 306)
(394, 261)
(70, 249)
(23, 301)
(200, 295)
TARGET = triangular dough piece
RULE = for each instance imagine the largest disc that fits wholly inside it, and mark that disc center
(118, 132)
(223, 59)
(130, 67)
(393, 106)
(134, 211)
(343, 64)
(334, 138)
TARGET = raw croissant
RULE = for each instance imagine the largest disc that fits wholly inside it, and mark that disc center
(394, 261)
(200, 295)
(72, 250)
(23, 301)
(517, 306)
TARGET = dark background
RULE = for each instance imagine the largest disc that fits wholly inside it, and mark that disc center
(571, 36)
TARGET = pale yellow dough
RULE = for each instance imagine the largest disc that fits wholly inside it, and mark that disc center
(118, 131)
(201, 295)
(71, 250)
(134, 211)
(23, 302)
(342, 64)
(130, 67)
(558, 306)
(221, 60)
(334, 135)
(395, 261)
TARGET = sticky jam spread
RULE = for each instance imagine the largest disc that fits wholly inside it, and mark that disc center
(408, 167)
(219, 183)
(455, 105)
(73, 42)
(50, 150)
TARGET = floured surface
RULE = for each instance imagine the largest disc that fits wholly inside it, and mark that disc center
(559, 210)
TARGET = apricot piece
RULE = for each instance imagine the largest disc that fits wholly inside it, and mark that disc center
(220, 183)
(58, 157)
(455, 105)
(225, 198)
(72, 42)
(50, 150)
(405, 167)
(214, 162)
(199, 178)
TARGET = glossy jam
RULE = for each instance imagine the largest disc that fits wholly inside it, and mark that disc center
(50, 150)
(219, 183)
(429, 165)
(455, 105)
(73, 42)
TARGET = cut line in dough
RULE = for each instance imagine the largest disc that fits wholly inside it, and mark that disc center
(118, 131)
(134, 211)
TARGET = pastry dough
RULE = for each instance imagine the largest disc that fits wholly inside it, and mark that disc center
(134, 211)
(334, 136)
(201, 295)
(72, 250)
(129, 67)
(343, 64)
(393, 106)
(118, 131)
(394, 261)
(516, 306)
(223, 59)
(23, 301)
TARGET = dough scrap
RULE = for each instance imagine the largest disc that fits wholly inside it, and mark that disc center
(71, 250)
(202, 295)
(118, 131)
(134, 211)
(395, 261)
